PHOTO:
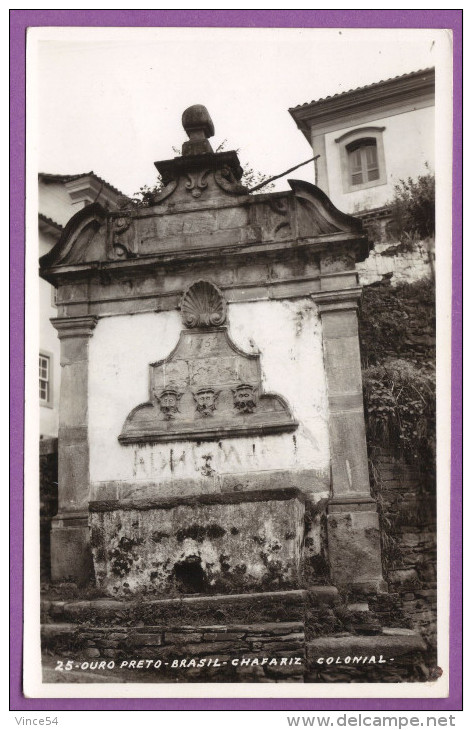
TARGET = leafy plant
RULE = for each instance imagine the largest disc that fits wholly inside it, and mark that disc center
(398, 322)
(413, 208)
(400, 410)
(397, 328)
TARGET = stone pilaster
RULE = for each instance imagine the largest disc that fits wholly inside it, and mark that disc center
(70, 549)
(353, 524)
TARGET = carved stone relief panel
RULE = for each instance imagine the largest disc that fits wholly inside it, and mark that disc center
(207, 388)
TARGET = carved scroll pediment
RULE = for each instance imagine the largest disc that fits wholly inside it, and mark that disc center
(83, 239)
(207, 388)
(316, 214)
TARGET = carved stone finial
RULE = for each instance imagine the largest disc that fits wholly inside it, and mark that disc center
(198, 124)
(203, 305)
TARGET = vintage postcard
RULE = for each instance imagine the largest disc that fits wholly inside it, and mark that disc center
(238, 284)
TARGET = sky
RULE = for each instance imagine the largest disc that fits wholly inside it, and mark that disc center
(111, 100)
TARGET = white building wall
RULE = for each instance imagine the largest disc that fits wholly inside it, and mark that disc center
(49, 345)
(409, 152)
(56, 202)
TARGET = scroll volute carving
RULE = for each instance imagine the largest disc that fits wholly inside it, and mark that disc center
(203, 305)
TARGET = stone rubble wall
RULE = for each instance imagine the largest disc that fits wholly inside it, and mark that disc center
(301, 635)
(412, 513)
(226, 646)
(405, 267)
(404, 262)
(263, 652)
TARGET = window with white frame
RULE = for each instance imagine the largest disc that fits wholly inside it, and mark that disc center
(45, 394)
(362, 158)
(363, 161)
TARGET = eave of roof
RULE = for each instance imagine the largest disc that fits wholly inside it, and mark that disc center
(49, 221)
(392, 80)
(51, 178)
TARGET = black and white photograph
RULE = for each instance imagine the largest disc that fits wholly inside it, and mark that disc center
(238, 276)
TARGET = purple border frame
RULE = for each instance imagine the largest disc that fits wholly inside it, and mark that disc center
(19, 21)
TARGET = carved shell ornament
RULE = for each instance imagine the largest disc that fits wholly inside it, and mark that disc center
(203, 305)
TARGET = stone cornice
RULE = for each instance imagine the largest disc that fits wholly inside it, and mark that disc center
(299, 223)
(342, 299)
(82, 326)
(170, 260)
(264, 495)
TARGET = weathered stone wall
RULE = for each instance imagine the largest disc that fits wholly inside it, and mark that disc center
(402, 264)
(311, 636)
(243, 541)
(410, 513)
(392, 256)
(262, 652)
(288, 336)
(395, 656)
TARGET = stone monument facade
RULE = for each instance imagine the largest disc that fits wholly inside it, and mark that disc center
(212, 432)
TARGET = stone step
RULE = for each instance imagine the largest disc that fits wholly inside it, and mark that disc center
(390, 644)
(395, 654)
(60, 610)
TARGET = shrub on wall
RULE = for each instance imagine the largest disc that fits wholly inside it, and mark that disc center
(400, 411)
(413, 208)
(397, 332)
(398, 322)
